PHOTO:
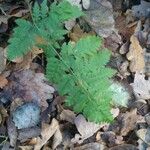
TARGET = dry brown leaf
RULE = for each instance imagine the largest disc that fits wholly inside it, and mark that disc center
(124, 48)
(24, 62)
(112, 42)
(18, 60)
(47, 132)
(40, 40)
(33, 141)
(12, 132)
(16, 103)
(141, 86)
(26, 147)
(32, 87)
(136, 55)
(46, 147)
(57, 139)
(68, 115)
(36, 51)
(85, 128)
(78, 33)
(115, 112)
(129, 121)
(125, 30)
(3, 81)
(20, 13)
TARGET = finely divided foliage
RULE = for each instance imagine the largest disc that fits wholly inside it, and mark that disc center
(47, 23)
(81, 75)
(78, 70)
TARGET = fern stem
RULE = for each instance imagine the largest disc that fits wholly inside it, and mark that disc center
(77, 78)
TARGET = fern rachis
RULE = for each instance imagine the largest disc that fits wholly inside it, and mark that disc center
(78, 70)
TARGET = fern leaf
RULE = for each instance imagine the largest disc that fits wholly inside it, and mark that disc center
(36, 13)
(22, 40)
(65, 11)
(47, 24)
(84, 78)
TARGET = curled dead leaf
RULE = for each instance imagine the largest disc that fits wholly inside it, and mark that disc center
(48, 130)
(136, 55)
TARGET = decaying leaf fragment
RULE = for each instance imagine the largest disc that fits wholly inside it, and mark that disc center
(129, 120)
(85, 128)
(136, 55)
(99, 16)
(47, 132)
(78, 33)
(141, 86)
(68, 115)
(31, 86)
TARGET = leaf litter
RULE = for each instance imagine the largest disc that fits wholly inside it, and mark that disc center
(26, 83)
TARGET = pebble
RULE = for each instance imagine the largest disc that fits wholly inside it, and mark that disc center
(27, 115)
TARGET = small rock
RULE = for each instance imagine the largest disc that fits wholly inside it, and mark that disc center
(27, 115)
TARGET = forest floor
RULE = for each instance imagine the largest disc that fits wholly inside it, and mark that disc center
(125, 27)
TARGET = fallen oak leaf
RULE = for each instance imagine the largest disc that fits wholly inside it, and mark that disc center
(85, 128)
(136, 55)
(47, 132)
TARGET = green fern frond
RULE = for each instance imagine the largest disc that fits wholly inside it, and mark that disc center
(78, 70)
(47, 24)
(22, 40)
(83, 78)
